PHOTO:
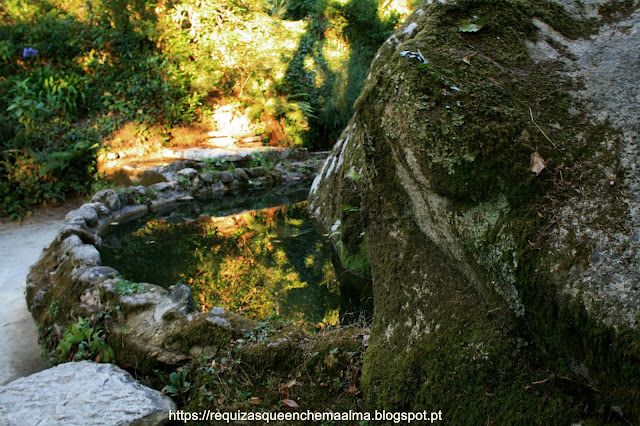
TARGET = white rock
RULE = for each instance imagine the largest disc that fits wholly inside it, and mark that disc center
(82, 393)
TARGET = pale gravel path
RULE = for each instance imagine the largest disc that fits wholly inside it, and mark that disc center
(20, 247)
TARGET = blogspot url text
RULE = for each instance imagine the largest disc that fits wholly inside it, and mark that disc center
(304, 416)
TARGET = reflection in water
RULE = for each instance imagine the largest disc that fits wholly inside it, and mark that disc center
(259, 263)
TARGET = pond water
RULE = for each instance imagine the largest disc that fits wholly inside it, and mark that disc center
(263, 262)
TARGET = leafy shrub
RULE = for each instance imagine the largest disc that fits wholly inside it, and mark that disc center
(178, 385)
(83, 340)
(30, 178)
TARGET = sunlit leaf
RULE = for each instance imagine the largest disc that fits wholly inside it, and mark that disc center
(292, 383)
(471, 25)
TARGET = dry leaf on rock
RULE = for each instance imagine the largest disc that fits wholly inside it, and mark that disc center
(537, 163)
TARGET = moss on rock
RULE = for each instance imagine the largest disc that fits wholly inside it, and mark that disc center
(473, 254)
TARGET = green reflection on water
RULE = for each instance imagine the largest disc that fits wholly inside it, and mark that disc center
(259, 263)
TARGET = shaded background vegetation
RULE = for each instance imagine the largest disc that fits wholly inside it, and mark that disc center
(72, 72)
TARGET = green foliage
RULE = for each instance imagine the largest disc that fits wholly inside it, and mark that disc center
(258, 159)
(178, 386)
(125, 287)
(472, 25)
(295, 66)
(26, 106)
(266, 328)
(185, 182)
(358, 261)
(54, 309)
(31, 177)
(216, 164)
(354, 176)
(352, 31)
(83, 340)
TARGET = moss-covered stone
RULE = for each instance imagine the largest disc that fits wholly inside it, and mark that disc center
(472, 254)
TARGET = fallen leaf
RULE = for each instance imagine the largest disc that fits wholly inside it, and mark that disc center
(467, 60)
(537, 163)
(284, 391)
(292, 383)
(353, 389)
(330, 360)
(155, 354)
(290, 403)
(255, 400)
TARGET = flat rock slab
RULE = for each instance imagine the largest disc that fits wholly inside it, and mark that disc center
(82, 393)
(227, 154)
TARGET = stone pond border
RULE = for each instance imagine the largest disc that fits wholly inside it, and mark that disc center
(153, 328)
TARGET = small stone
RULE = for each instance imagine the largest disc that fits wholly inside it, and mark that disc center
(219, 321)
(109, 198)
(85, 255)
(163, 186)
(256, 172)
(180, 293)
(241, 174)
(95, 275)
(188, 173)
(234, 185)
(225, 177)
(99, 208)
(38, 299)
(179, 165)
(82, 234)
(217, 187)
(89, 215)
(150, 176)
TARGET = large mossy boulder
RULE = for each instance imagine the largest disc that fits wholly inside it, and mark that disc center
(489, 177)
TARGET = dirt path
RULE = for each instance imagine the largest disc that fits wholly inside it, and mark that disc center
(20, 247)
